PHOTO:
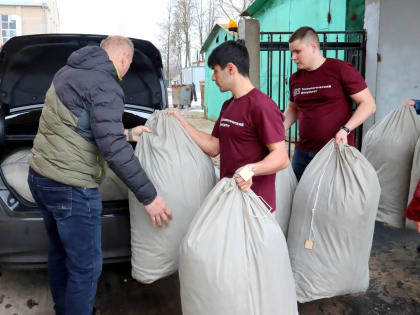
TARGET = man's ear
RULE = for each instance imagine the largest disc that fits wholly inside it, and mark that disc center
(231, 68)
(124, 59)
(314, 46)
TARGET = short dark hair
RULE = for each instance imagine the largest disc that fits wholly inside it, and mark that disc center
(305, 32)
(230, 51)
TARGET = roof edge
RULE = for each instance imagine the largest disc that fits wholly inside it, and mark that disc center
(212, 34)
(254, 8)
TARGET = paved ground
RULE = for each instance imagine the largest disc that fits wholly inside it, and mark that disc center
(394, 287)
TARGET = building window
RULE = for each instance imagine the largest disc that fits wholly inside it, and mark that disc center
(9, 25)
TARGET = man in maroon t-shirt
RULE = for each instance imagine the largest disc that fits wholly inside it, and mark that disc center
(321, 94)
(250, 128)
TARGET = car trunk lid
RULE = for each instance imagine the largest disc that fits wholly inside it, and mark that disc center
(29, 63)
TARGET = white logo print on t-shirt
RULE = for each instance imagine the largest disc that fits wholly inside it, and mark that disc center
(225, 122)
(310, 90)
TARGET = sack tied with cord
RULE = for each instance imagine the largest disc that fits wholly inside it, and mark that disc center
(183, 175)
(389, 145)
(234, 258)
(331, 227)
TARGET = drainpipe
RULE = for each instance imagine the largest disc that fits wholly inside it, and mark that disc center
(45, 17)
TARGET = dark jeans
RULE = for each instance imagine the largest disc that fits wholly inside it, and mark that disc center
(417, 106)
(300, 161)
(72, 217)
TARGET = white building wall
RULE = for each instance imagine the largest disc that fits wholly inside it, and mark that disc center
(194, 74)
(393, 52)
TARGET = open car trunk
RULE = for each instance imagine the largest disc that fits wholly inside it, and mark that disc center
(27, 67)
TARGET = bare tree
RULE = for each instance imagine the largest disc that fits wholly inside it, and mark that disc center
(188, 24)
(171, 41)
(233, 8)
(165, 36)
(177, 46)
(205, 18)
(200, 21)
(211, 14)
(184, 20)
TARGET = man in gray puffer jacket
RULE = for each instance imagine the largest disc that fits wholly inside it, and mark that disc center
(80, 127)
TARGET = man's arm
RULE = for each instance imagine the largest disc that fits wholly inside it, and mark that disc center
(205, 141)
(275, 161)
(366, 106)
(290, 115)
(107, 128)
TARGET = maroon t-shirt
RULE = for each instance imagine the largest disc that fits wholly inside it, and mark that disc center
(245, 127)
(323, 100)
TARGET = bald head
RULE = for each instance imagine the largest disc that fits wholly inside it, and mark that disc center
(115, 45)
(120, 51)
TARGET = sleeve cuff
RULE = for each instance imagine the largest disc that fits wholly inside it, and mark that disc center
(149, 199)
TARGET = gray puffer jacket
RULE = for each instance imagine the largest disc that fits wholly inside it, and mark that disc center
(81, 122)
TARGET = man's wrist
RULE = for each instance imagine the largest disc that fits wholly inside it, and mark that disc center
(130, 135)
(347, 130)
(180, 118)
(246, 172)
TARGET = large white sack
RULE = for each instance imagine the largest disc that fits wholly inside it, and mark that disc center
(15, 169)
(234, 258)
(183, 175)
(286, 183)
(389, 147)
(338, 195)
(112, 188)
(415, 176)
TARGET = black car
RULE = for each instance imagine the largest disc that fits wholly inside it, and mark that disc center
(27, 67)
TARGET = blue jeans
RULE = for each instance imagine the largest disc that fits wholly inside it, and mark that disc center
(300, 161)
(72, 217)
(417, 106)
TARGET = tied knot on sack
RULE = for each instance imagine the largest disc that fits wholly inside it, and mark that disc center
(247, 196)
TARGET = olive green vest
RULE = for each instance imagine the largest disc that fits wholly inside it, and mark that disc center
(59, 152)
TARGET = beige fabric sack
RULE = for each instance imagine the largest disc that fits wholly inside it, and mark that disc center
(389, 146)
(286, 183)
(334, 210)
(112, 188)
(15, 169)
(183, 175)
(415, 175)
(234, 258)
